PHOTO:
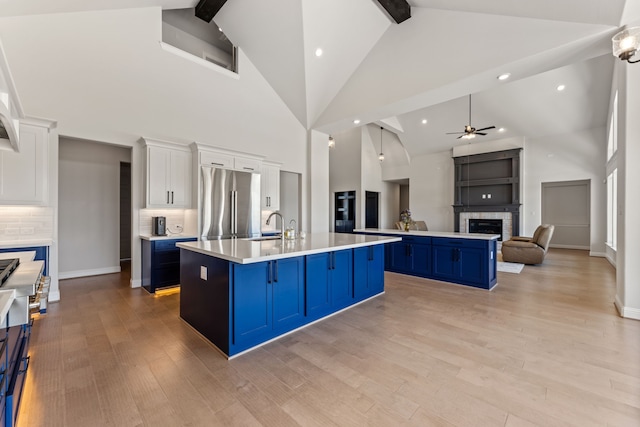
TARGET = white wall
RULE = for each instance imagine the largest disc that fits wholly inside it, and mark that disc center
(431, 190)
(628, 247)
(89, 185)
(116, 84)
(318, 184)
(576, 156)
(345, 170)
(290, 197)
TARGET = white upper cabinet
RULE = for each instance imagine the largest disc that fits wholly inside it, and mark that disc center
(168, 175)
(23, 174)
(270, 186)
(215, 157)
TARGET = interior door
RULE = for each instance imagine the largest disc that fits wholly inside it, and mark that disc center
(567, 206)
(371, 209)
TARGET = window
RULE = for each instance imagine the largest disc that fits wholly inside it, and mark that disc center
(612, 208)
(612, 143)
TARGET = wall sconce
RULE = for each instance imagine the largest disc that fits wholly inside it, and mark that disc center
(626, 43)
(332, 142)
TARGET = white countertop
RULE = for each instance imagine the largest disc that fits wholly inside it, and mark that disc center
(23, 280)
(447, 234)
(6, 299)
(168, 237)
(246, 251)
(23, 256)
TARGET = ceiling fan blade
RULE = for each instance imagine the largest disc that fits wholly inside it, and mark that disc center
(454, 133)
(480, 133)
(487, 128)
(460, 137)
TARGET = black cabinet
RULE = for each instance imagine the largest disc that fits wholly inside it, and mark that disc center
(161, 263)
(345, 211)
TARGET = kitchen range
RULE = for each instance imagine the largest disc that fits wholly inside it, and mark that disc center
(24, 290)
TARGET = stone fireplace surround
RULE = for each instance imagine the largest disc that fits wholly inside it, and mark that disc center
(506, 218)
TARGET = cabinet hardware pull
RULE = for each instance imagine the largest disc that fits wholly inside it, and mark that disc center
(217, 164)
(275, 271)
(248, 169)
(268, 271)
(172, 197)
(26, 366)
(167, 197)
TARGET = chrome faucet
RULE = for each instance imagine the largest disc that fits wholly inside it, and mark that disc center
(281, 219)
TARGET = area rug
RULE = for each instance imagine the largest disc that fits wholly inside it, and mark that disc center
(510, 267)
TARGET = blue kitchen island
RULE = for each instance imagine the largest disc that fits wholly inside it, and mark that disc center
(463, 258)
(241, 293)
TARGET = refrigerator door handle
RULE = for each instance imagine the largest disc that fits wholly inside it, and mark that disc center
(234, 212)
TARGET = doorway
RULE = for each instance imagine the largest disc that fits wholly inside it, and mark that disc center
(125, 211)
(371, 210)
(567, 205)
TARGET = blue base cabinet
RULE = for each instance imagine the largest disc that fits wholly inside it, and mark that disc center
(14, 361)
(368, 271)
(161, 263)
(239, 306)
(465, 261)
(470, 262)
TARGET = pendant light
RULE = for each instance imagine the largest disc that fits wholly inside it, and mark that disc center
(381, 155)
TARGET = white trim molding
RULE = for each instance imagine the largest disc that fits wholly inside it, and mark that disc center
(627, 312)
(85, 273)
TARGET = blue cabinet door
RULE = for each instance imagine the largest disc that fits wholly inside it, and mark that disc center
(341, 278)
(368, 271)
(472, 265)
(420, 259)
(318, 295)
(444, 262)
(252, 302)
(398, 259)
(287, 285)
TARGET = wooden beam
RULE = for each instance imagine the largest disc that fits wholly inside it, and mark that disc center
(399, 10)
(207, 9)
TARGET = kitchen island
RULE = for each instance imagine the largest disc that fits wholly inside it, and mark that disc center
(241, 293)
(463, 258)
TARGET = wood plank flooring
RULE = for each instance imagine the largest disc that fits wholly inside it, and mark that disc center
(544, 348)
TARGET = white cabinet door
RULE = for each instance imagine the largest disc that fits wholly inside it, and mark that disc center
(168, 178)
(158, 177)
(180, 179)
(270, 185)
(23, 175)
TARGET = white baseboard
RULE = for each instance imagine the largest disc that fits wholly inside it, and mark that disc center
(627, 312)
(598, 254)
(54, 296)
(135, 283)
(611, 261)
(85, 273)
(582, 248)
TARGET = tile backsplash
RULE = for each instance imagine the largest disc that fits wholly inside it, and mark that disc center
(25, 223)
(175, 219)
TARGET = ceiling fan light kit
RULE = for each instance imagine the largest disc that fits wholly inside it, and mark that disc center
(469, 131)
(626, 43)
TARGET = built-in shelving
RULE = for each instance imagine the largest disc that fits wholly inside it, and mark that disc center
(345, 211)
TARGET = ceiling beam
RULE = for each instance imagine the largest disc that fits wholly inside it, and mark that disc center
(207, 9)
(399, 10)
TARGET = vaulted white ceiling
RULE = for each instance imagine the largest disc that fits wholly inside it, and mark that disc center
(377, 71)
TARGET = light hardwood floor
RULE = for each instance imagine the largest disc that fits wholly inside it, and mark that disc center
(544, 348)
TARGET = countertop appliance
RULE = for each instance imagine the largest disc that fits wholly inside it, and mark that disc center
(229, 203)
(159, 225)
(6, 268)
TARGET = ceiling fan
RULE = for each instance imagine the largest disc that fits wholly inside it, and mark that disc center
(469, 131)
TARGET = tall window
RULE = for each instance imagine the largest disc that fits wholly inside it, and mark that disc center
(612, 208)
(612, 143)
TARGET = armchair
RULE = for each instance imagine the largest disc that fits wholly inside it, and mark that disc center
(528, 250)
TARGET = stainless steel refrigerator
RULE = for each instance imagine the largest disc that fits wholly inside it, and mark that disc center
(229, 203)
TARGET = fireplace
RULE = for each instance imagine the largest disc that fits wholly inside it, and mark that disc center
(486, 226)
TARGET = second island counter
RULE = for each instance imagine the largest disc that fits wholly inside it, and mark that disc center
(240, 293)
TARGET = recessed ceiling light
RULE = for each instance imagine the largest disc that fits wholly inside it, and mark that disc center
(560, 88)
(424, 121)
(356, 121)
(504, 76)
(501, 130)
(318, 52)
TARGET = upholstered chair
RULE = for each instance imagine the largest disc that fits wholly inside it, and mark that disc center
(528, 250)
